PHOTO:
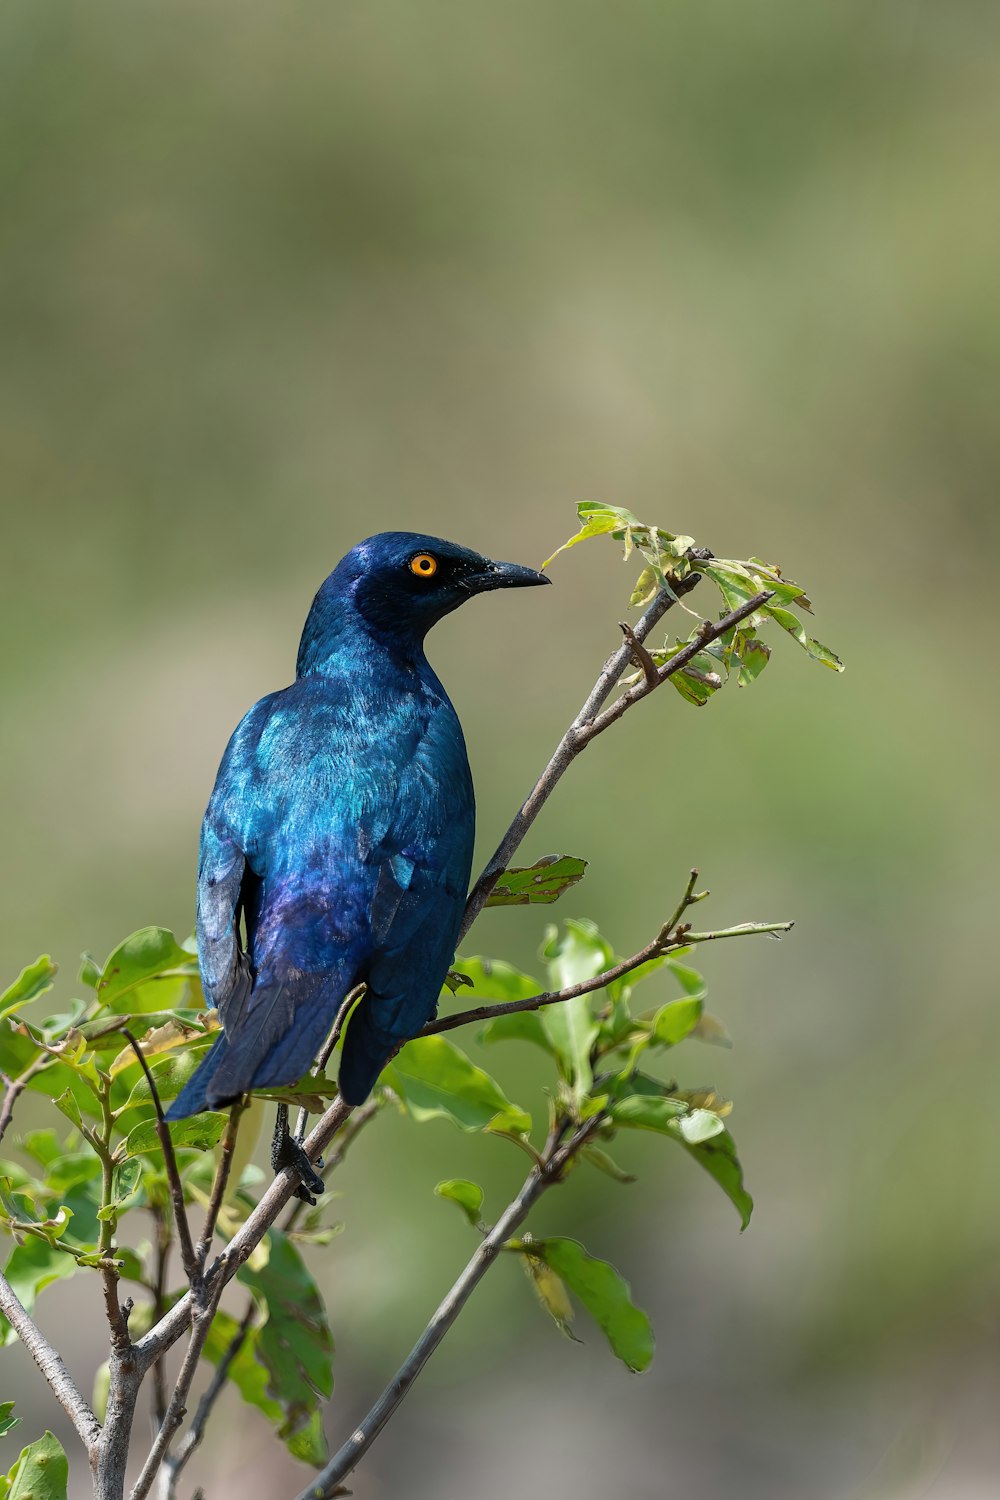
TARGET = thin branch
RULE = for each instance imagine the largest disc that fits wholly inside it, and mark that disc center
(328, 1481)
(709, 632)
(16, 1086)
(163, 1242)
(168, 1330)
(662, 943)
(51, 1366)
(572, 742)
(196, 1432)
(192, 1269)
(640, 655)
(201, 1323)
(745, 929)
(219, 1185)
(100, 1140)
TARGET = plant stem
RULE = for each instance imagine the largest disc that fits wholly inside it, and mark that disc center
(189, 1260)
(549, 1171)
(16, 1086)
(50, 1364)
(222, 1171)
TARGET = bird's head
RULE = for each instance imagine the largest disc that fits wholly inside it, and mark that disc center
(402, 582)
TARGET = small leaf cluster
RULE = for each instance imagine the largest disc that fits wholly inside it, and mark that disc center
(672, 560)
(602, 1047)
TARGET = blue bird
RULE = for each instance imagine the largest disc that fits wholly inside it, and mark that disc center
(340, 832)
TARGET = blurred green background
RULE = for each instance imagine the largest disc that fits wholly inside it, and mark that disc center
(275, 277)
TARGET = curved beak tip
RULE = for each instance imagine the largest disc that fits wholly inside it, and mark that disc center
(514, 576)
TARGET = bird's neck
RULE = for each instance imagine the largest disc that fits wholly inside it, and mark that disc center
(336, 639)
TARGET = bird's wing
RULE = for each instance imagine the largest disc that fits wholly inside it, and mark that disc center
(224, 889)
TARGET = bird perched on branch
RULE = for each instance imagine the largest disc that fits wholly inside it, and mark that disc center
(340, 831)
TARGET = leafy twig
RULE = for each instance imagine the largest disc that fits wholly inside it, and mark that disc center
(674, 934)
(549, 1171)
(49, 1362)
(576, 738)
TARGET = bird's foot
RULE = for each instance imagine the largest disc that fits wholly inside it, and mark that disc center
(286, 1151)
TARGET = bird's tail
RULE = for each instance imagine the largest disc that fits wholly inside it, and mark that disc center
(272, 1046)
(366, 1050)
(193, 1097)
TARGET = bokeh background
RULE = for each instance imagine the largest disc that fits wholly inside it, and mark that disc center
(275, 277)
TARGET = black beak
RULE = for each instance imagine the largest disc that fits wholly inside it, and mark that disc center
(501, 575)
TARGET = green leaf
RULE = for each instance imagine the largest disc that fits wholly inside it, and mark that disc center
(7, 1422)
(435, 1080)
(645, 588)
(699, 1126)
(301, 1433)
(67, 1105)
(543, 882)
(149, 954)
(648, 1112)
(33, 981)
(753, 658)
(676, 1020)
(796, 629)
(30, 1269)
(90, 971)
(596, 520)
(551, 1292)
(170, 1074)
(43, 1145)
(604, 1163)
(161, 1032)
(719, 1159)
(574, 956)
(313, 1092)
(605, 1295)
(519, 1026)
(294, 1344)
(198, 1133)
(40, 1473)
(468, 1196)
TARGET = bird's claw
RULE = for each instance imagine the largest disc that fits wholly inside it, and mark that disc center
(286, 1151)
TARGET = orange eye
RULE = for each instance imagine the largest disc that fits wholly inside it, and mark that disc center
(424, 565)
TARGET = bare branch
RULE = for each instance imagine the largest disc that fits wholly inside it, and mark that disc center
(51, 1366)
(201, 1323)
(192, 1269)
(549, 1171)
(640, 655)
(214, 1390)
(219, 1185)
(16, 1086)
